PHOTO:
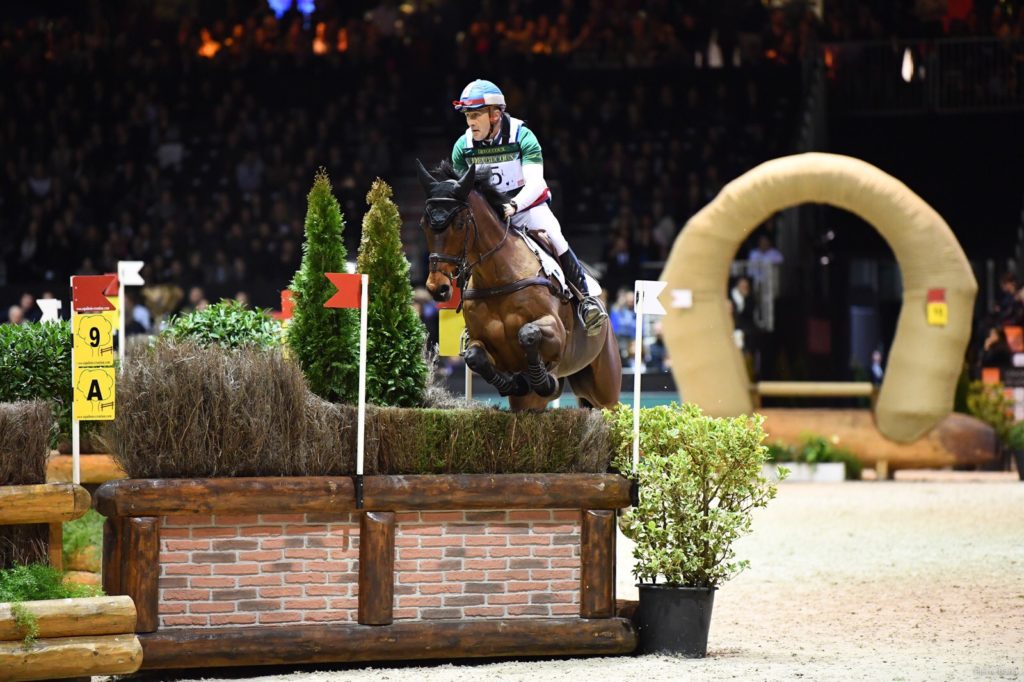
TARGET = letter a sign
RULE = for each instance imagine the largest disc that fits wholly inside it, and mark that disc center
(94, 393)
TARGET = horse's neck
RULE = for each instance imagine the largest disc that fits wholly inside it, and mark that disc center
(510, 262)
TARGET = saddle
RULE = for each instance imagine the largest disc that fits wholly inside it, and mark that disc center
(539, 243)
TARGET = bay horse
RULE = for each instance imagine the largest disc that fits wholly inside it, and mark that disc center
(524, 335)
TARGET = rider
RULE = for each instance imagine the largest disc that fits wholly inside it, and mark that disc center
(513, 154)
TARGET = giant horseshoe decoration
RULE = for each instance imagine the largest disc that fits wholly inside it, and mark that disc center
(925, 360)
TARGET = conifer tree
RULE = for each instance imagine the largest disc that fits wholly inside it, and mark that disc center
(396, 372)
(324, 341)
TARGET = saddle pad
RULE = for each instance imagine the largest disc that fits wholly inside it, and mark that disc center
(549, 264)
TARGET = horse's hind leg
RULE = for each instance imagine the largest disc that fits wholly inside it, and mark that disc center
(599, 384)
(480, 361)
(541, 380)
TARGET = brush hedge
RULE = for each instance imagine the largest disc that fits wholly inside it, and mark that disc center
(25, 431)
(191, 412)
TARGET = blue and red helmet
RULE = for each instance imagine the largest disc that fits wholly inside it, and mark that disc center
(479, 94)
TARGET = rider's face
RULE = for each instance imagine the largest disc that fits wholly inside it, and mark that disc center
(480, 121)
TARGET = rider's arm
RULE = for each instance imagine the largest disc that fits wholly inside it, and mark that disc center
(533, 170)
(533, 174)
(459, 155)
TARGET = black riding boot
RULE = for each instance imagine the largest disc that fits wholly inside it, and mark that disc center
(591, 310)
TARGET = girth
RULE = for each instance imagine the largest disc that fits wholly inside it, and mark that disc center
(518, 285)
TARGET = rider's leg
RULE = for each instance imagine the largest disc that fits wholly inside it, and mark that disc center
(591, 310)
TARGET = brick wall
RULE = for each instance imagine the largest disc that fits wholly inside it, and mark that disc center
(304, 568)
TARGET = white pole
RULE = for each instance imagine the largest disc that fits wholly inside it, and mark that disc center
(469, 382)
(361, 435)
(638, 353)
(121, 338)
(76, 440)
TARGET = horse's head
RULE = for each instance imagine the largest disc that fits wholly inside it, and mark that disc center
(445, 223)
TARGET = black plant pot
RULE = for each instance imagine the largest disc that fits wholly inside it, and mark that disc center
(1018, 455)
(674, 620)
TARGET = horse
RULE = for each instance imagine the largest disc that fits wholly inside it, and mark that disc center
(525, 337)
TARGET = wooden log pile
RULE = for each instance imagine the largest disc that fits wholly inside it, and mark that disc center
(75, 638)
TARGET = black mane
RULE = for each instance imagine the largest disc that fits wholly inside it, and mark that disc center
(494, 196)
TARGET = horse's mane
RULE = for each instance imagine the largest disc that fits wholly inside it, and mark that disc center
(494, 196)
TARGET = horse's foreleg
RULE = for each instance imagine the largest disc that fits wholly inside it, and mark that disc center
(480, 361)
(541, 380)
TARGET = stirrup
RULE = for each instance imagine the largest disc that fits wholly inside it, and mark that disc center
(593, 315)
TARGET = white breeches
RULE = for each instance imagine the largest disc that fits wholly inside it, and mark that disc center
(541, 218)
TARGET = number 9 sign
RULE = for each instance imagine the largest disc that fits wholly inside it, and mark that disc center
(94, 341)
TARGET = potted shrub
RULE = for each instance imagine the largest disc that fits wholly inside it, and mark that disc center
(816, 460)
(1014, 442)
(699, 478)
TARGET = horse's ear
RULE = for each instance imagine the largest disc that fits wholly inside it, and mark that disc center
(466, 182)
(426, 179)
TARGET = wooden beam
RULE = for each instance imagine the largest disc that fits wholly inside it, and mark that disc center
(597, 564)
(113, 541)
(93, 469)
(140, 569)
(72, 617)
(44, 503)
(327, 495)
(241, 646)
(70, 657)
(816, 389)
(376, 568)
(55, 548)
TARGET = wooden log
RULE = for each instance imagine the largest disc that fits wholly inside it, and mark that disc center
(72, 617)
(958, 440)
(55, 550)
(113, 541)
(140, 569)
(816, 389)
(597, 564)
(44, 503)
(376, 568)
(94, 469)
(220, 647)
(70, 657)
(328, 495)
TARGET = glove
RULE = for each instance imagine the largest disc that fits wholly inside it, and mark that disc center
(510, 209)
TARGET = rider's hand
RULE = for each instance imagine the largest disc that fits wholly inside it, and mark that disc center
(510, 210)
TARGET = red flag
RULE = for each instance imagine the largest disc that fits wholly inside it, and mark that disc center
(348, 290)
(87, 293)
(287, 306)
(453, 302)
(113, 288)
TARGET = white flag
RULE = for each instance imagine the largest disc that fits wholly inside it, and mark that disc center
(682, 298)
(647, 292)
(128, 272)
(49, 306)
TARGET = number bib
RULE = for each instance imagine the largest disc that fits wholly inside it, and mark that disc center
(505, 164)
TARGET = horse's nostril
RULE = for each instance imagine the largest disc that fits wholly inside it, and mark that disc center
(444, 291)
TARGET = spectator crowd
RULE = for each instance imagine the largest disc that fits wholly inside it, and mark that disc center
(186, 134)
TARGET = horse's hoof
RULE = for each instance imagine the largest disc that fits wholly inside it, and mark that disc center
(529, 335)
(476, 359)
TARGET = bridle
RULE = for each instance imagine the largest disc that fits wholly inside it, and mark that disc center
(441, 212)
